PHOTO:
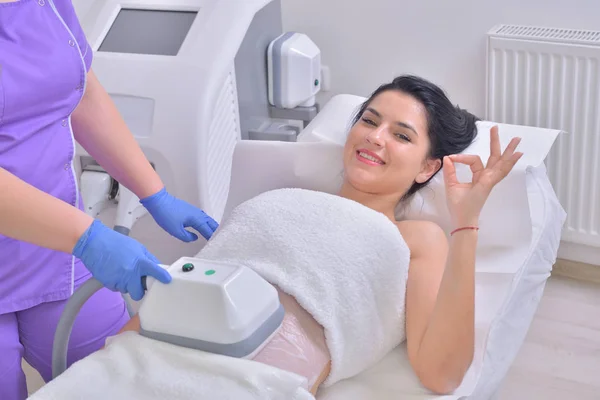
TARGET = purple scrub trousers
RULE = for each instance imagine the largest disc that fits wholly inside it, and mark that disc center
(44, 60)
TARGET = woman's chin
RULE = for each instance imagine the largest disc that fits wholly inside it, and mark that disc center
(363, 180)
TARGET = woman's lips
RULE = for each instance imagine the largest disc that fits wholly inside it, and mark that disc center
(368, 157)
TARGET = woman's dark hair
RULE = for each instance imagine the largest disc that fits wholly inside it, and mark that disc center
(451, 129)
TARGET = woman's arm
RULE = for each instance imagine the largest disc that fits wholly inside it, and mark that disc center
(102, 132)
(440, 304)
(30, 215)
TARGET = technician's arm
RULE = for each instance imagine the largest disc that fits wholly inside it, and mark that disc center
(30, 215)
(99, 128)
(117, 261)
(102, 132)
(440, 302)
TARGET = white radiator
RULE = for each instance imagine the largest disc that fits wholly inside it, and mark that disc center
(550, 78)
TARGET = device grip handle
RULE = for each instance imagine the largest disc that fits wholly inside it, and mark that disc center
(146, 283)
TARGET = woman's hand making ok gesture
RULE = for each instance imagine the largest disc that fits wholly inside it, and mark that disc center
(465, 200)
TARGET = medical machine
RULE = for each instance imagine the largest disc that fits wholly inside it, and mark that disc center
(191, 79)
(215, 307)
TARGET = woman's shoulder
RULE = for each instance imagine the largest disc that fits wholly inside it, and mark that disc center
(422, 236)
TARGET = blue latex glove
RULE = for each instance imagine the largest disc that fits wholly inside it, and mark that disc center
(117, 261)
(174, 215)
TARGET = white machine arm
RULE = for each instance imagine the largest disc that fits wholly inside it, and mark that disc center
(129, 210)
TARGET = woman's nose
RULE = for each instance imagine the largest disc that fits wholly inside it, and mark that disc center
(375, 137)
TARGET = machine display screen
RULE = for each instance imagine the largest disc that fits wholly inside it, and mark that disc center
(157, 32)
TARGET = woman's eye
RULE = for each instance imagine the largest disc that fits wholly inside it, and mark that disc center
(368, 121)
(403, 137)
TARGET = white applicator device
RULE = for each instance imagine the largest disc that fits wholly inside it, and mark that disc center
(211, 306)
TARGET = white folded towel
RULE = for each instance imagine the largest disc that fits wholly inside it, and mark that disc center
(346, 264)
(134, 367)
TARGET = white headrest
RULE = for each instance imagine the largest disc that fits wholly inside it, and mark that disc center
(333, 123)
(315, 162)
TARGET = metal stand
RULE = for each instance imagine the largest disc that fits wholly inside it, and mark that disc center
(274, 131)
(304, 114)
(281, 131)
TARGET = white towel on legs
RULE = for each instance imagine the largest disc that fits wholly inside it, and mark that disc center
(346, 264)
(133, 367)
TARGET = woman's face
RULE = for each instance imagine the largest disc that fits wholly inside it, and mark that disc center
(386, 150)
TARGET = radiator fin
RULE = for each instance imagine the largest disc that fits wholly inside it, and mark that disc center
(551, 34)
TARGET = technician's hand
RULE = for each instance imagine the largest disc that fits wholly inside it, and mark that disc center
(465, 200)
(118, 261)
(174, 215)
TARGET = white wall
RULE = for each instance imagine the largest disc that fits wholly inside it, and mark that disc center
(368, 42)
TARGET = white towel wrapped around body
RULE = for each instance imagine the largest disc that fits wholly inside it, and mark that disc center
(344, 263)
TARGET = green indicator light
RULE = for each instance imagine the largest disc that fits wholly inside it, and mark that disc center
(210, 272)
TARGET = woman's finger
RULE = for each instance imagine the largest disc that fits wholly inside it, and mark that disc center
(507, 165)
(495, 149)
(473, 161)
(510, 149)
(502, 169)
(449, 172)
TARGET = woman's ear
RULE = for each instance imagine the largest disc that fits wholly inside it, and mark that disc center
(430, 167)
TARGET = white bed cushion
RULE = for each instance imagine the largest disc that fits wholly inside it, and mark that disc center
(516, 250)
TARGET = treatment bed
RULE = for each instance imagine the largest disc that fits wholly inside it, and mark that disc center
(520, 234)
(519, 238)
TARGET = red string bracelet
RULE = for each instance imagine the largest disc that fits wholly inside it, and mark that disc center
(476, 228)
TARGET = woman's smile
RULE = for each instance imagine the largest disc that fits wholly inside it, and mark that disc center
(368, 157)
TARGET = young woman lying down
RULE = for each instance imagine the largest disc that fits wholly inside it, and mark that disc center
(400, 138)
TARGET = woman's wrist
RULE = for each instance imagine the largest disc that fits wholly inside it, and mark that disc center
(466, 228)
(465, 222)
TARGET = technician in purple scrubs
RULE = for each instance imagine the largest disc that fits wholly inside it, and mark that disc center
(50, 98)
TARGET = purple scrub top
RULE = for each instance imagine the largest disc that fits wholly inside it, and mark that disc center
(44, 59)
